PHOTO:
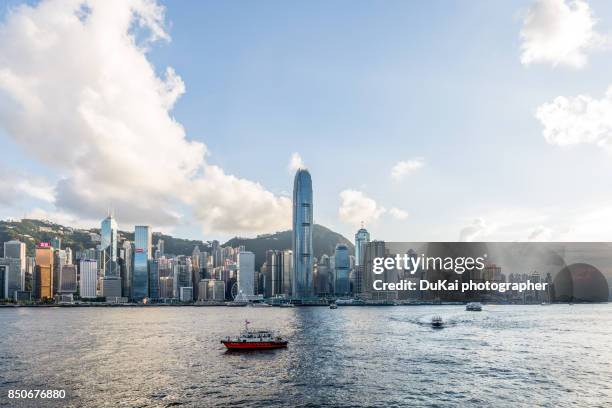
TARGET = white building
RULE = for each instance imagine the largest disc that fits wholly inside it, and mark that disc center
(246, 275)
(89, 275)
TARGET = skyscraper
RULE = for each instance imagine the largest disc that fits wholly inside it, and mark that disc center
(108, 246)
(302, 235)
(142, 254)
(246, 274)
(17, 250)
(361, 237)
(88, 270)
(341, 270)
(44, 271)
(125, 261)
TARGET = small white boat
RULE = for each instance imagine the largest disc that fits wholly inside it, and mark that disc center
(333, 306)
(287, 305)
(473, 307)
(260, 304)
(437, 322)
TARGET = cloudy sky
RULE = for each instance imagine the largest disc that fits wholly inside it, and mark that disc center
(472, 120)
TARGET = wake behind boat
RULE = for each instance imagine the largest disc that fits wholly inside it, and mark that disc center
(254, 339)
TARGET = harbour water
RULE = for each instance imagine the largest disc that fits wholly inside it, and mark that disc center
(552, 356)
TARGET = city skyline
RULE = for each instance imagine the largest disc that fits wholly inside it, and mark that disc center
(156, 149)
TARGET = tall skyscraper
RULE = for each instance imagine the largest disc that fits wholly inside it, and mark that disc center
(246, 274)
(108, 246)
(302, 235)
(154, 278)
(341, 270)
(287, 271)
(142, 254)
(44, 271)
(88, 273)
(17, 250)
(126, 262)
(12, 278)
(68, 279)
(361, 237)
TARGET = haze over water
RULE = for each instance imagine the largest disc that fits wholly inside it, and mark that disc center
(555, 355)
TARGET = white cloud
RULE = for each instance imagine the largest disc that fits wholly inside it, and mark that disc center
(356, 207)
(78, 92)
(477, 229)
(398, 214)
(296, 162)
(540, 233)
(559, 32)
(405, 168)
(576, 120)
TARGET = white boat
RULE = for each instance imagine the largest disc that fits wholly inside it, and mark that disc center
(287, 305)
(473, 307)
(333, 306)
(260, 304)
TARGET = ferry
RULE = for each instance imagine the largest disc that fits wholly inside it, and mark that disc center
(437, 322)
(254, 339)
(473, 307)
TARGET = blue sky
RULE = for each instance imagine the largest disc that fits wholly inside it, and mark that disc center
(355, 87)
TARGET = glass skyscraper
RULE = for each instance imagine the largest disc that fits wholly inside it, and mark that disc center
(302, 235)
(108, 246)
(142, 254)
(341, 269)
(361, 237)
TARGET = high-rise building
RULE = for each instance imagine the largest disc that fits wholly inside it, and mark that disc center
(17, 250)
(126, 262)
(108, 246)
(154, 279)
(68, 279)
(44, 271)
(246, 274)
(56, 243)
(183, 273)
(161, 247)
(323, 280)
(196, 275)
(13, 276)
(88, 271)
(142, 254)
(361, 237)
(341, 270)
(4, 271)
(287, 271)
(302, 235)
(58, 263)
(69, 259)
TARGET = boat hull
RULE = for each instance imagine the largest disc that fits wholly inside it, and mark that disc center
(256, 345)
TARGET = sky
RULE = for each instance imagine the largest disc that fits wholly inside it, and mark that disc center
(430, 121)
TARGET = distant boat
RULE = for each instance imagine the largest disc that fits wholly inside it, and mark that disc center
(254, 339)
(287, 305)
(235, 304)
(260, 304)
(437, 322)
(333, 306)
(473, 307)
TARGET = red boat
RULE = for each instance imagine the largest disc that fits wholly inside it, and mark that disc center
(254, 339)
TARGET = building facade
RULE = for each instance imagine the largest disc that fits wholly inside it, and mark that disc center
(142, 254)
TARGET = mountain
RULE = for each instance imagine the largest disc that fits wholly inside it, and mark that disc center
(33, 231)
(324, 241)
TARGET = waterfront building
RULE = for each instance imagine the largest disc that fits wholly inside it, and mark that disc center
(4, 271)
(186, 294)
(196, 274)
(17, 250)
(183, 273)
(362, 237)
(323, 282)
(125, 262)
(58, 263)
(154, 279)
(341, 270)
(246, 274)
(374, 249)
(142, 254)
(68, 279)
(302, 235)
(88, 270)
(12, 279)
(108, 246)
(287, 271)
(111, 288)
(44, 271)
